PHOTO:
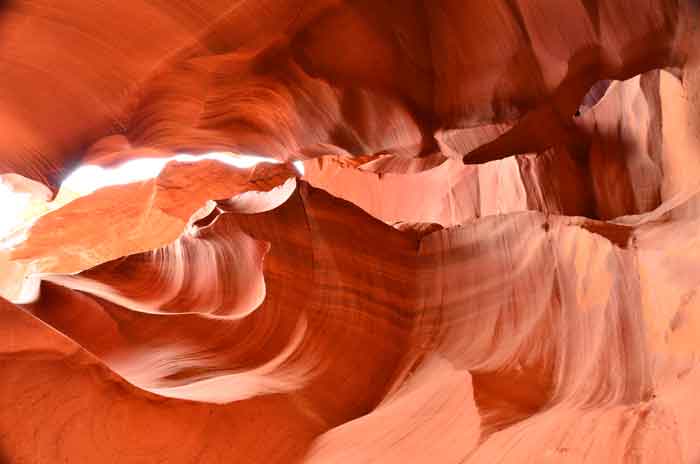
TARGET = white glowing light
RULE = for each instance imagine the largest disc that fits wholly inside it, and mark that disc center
(86, 179)
(300, 166)
(17, 208)
(12, 209)
(89, 178)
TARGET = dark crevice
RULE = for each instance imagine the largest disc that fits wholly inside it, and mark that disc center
(593, 96)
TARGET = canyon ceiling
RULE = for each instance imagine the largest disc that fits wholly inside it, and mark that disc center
(473, 236)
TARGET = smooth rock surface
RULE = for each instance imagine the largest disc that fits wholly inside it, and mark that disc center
(486, 250)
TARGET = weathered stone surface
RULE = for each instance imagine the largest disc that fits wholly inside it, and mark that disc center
(489, 253)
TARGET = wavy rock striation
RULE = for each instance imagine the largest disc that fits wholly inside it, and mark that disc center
(488, 254)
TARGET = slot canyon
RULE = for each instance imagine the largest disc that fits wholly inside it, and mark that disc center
(349, 231)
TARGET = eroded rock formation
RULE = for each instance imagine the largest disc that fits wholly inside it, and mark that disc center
(489, 253)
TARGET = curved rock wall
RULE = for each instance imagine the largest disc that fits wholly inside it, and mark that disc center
(489, 253)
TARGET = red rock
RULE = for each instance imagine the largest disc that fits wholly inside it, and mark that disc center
(490, 254)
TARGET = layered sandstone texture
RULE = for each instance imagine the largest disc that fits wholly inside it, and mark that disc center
(471, 235)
